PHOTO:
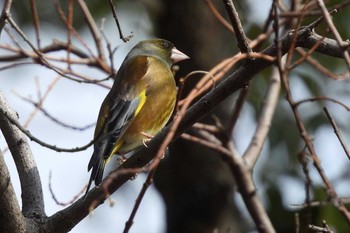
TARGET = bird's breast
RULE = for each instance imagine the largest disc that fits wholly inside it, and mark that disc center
(157, 109)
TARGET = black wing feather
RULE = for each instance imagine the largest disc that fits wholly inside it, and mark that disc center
(119, 118)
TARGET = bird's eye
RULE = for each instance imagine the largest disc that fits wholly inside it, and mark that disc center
(166, 44)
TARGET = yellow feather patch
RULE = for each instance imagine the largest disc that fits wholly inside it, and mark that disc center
(143, 98)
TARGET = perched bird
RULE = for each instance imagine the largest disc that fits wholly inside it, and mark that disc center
(139, 104)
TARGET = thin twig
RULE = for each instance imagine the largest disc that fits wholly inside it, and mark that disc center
(36, 21)
(69, 26)
(323, 229)
(114, 12)
(41, 101)
(303, 160)
(219, 17)
(93, 29)
(243, 43)
(5, 14)
(40, 142)
(60, 202)
(54, 119)
(41, 58)
(146, 184)
(319, 98)
(207, 143)
(337, 132)
(321, 68)
(318, 204)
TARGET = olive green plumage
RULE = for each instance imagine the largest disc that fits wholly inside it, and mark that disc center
(140, 102)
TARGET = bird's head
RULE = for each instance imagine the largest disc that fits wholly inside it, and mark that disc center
(160, 48)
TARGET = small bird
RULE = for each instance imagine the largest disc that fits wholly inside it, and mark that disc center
(139, 104)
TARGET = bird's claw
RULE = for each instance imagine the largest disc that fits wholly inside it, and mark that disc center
(147, 139)
(121, 160)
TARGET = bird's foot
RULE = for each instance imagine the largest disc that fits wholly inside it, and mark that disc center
(134, 177)
(163, 155)
(121, 160)
(147, 139)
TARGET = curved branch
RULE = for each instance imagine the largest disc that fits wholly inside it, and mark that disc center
(32, 194)
(11, 218)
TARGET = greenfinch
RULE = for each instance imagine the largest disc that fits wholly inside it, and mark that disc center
(139, 104)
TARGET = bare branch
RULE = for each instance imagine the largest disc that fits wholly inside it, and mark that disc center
(245, 184)
(252, 153)
(26, 132)
(32, 194)
(54, 119)
(41, 58)
(304, 133)
(11, 217)
(243, 43)
(319, 98)
(93, 28)
(5, 13)
(334, 30)
(73, 214)
(36, 22)
(337, 132)
(219, 17)
(114, 12)
(145, 186)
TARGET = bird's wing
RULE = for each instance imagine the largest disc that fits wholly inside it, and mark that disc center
(118, 109)
(122, 113)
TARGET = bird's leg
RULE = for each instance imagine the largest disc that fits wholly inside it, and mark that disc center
(147, 139)
(121, 159)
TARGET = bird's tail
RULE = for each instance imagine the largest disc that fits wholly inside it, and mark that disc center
(97, 163)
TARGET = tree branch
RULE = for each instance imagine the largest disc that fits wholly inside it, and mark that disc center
(334, 30)
(11, 218)
(252, 153)
(243, 43)
(70, 216)
(245, 184)
(93, 29)
(4, 14)
(32, 194)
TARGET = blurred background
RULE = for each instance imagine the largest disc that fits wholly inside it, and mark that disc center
(193, 186)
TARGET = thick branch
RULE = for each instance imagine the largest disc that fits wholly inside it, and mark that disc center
(70, 216)
(32, 195)
(327, 46)
(11, 218)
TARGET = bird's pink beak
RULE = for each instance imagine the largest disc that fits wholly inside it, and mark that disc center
(177, 56)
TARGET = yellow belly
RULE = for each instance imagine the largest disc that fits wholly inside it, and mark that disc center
(150, 120)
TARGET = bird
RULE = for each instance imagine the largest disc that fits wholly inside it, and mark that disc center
(139, 104)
